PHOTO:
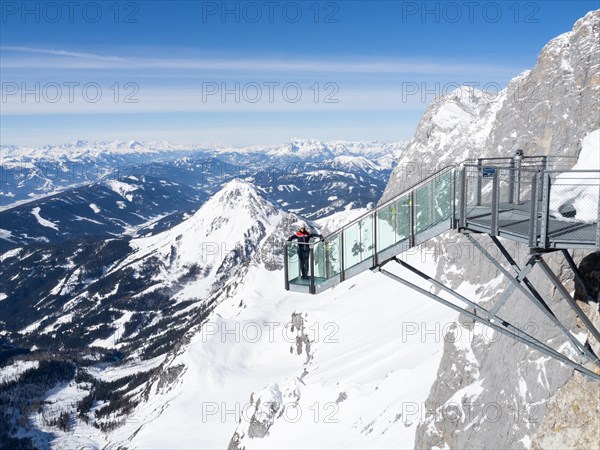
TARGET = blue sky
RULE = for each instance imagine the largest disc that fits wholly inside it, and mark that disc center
(245, 73)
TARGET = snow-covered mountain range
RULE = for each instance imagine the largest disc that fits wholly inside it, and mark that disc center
(30, 172)
(58, 193)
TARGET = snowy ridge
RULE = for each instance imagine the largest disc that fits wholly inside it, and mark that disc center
(215, 243)
(38, 172)
(298, 148)
(454, 128)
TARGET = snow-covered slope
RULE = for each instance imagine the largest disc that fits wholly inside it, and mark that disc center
(107, 208)
(274, 369)
(200, 317)
(126, 302)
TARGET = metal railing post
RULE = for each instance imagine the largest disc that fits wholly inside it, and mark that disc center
(495, 204)
(545, 211)
(478, 182)
(312, 268)
(533, 213)
(342, 262)
(412, 218)
(285, 267)
(598, 224)
(511, 182)
(463, 197)
(453, 219)
(326, 248)
(375, 257)
(518, 182)
(543, 171)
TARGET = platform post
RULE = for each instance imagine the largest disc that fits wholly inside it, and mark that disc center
(545, 211)
(478, 182)
(495, 204)
(511, 182)
(285, 267)
(463, 197)
(312, 268)
(533, 213)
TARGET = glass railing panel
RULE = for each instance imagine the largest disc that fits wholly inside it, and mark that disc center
(327, 259)
(293, 263)
(403, 219)
(443, 197)
(393, 223)
(367, 235)
(424, 206)
(358, 241)
(352, 246)
(387, 224)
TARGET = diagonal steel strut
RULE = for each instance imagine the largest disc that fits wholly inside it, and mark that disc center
(548, 272)
(536, 299)
(477, 308)
(578, 278)
(521, 336)
(565, 294)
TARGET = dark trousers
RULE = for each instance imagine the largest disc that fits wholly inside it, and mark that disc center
(304, 258)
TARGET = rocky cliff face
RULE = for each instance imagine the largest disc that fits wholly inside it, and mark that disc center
(547, 110)
(492, 392)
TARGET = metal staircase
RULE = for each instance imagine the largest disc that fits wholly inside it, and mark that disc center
(530, 200)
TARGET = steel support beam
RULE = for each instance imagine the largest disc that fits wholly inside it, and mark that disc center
(520, 337)
(517, 269)
(572, 303)
(477, 308)
(521, 275)
(578, 278)
(581, 349)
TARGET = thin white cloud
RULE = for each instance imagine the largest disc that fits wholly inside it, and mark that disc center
(62, 59)
(49, 51)
(57, 100)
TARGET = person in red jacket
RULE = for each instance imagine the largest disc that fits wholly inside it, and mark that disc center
(303, 238)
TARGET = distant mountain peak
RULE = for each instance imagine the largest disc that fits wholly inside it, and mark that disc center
(236, 196)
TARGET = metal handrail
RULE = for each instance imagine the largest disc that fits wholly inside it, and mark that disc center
(439, 173)
(537, 234)
(393, 199)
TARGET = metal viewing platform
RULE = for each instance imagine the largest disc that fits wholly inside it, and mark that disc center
(531, 200)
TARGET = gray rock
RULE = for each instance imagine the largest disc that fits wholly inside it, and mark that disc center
(547, 110)
(492, 392)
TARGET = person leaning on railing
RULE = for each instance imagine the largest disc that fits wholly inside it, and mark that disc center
(303, 238)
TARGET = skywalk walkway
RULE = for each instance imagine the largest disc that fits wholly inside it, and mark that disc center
(530, 200)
